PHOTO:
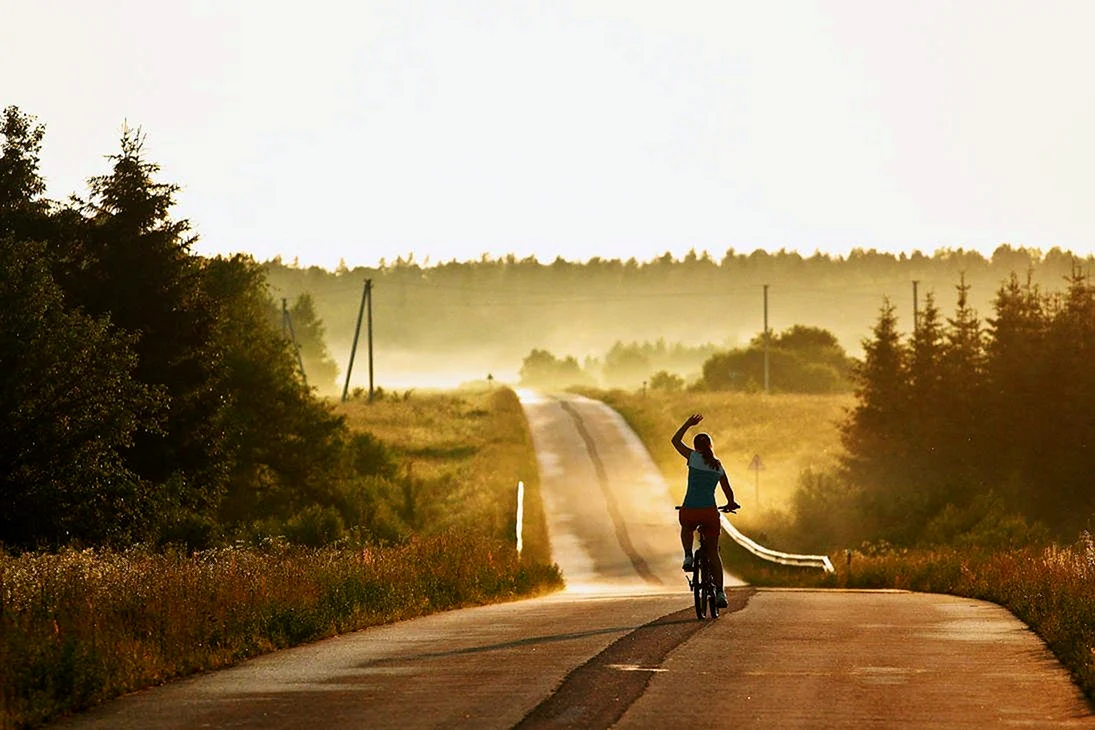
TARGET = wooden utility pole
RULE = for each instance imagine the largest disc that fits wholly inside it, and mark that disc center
(365, 296)
(765, 338)
(369, 301)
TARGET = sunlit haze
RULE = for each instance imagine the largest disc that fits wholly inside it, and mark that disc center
(613, 128)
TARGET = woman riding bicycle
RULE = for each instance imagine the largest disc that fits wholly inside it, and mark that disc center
(699, 509)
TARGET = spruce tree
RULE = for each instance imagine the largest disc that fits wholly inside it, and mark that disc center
(1015, 383)
(874, 436)
(963, 449)
(1065, 497)
(320, 369)
(928, 407)
(142, 275)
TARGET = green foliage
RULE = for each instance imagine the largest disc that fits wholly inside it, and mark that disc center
(666, 381)
(71, 409)
(626, 366)
(177, 403)
(315, 526)
(497, 308)
(311, 336)
(287, 446)
(800, 360)
(967, 434)
(826, 511)
(21, 184)
(139, 271)
(543, 370)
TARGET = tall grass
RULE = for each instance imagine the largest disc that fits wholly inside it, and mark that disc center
(790, 433)
(80, 627)
(463, 453)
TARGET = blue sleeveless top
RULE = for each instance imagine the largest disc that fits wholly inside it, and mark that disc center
(702, 480)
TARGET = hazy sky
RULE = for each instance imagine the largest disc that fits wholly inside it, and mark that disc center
(619, 128)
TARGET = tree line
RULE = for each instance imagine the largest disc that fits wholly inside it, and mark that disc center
(801, 359)
(150, 394)
(969, 429)
(487, 315)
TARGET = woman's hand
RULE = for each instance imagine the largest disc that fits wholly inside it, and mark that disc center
(692, 420)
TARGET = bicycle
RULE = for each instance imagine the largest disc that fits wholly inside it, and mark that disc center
(702, 581)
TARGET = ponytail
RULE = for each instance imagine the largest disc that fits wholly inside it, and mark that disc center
(710, 460)
(702, 442)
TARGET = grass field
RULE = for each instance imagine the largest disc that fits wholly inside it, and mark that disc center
(465, 452)
(789, 433)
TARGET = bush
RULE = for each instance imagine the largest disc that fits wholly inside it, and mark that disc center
(666, 381)
(315, 526)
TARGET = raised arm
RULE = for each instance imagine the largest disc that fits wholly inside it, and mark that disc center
(678, 443)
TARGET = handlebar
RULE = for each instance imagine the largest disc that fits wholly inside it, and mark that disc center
(724, 508)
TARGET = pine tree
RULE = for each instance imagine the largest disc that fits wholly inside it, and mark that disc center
(320, 368)
(874, 436)
(1067, 499)
(141, 273)
(928, 407)
(963, 450)
(21, 184)
(1014, 389)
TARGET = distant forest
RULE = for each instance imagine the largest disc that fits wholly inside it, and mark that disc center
(486, 316)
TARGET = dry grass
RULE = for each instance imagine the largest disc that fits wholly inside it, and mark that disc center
(465, 451)
(790, 433)
(81, 627)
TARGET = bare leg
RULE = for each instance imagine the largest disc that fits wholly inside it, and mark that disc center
(686, 540)
(711, 547)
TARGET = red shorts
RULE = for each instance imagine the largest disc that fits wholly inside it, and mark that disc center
(705, 518)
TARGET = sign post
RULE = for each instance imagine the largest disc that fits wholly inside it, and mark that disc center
(520, 516)
(755, 466)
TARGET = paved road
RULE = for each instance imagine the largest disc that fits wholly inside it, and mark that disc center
(622, 648)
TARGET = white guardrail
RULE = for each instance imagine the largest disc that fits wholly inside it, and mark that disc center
(805, 561)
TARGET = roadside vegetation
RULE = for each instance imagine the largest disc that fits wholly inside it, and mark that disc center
(78, 626)
(175, 495)
(460, 454)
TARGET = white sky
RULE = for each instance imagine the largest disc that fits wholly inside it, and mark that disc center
(618, 128)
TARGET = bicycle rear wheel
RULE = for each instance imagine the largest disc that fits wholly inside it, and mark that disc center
(709, 602)
(698, 594)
